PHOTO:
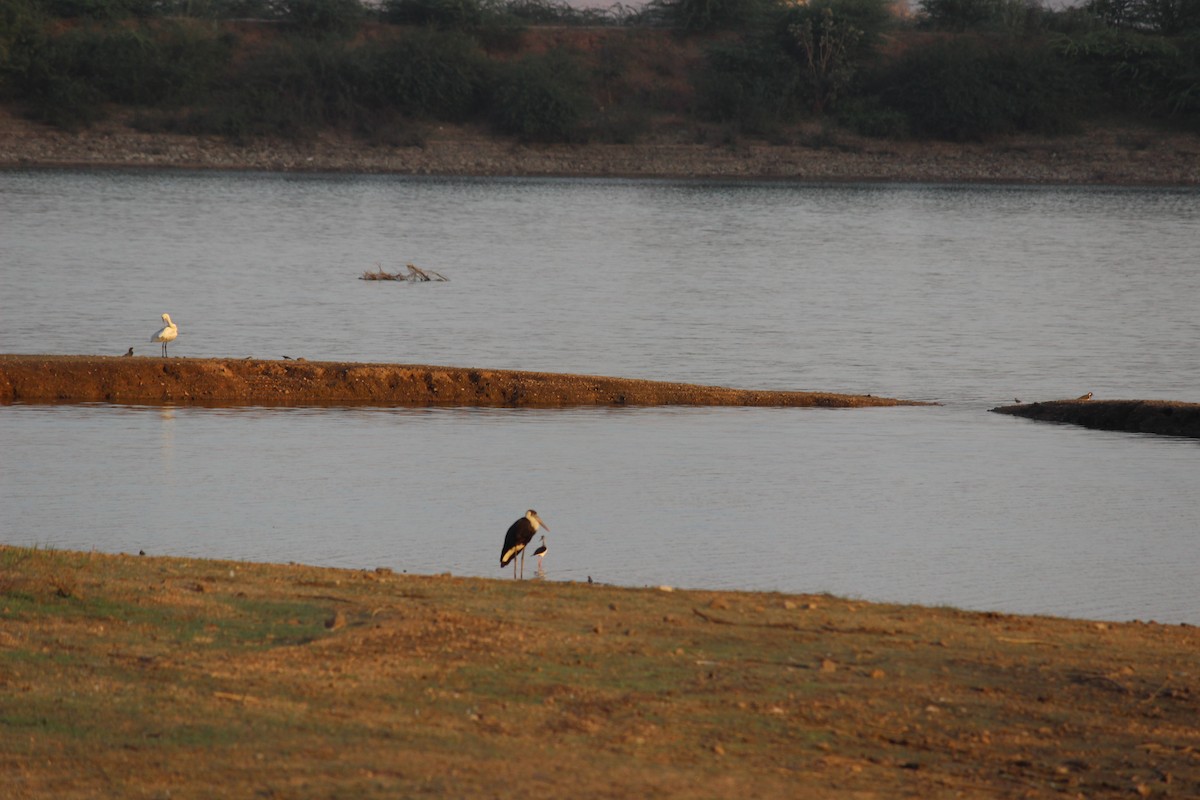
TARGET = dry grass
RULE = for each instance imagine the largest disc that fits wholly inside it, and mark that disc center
(159, 675)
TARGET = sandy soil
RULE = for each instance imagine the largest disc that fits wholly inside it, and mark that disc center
(1166, 417)
(1111, 155)
(144, 677)
(188, 381)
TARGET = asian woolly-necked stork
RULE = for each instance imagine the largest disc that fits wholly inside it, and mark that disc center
(167, 334)
(520, 533)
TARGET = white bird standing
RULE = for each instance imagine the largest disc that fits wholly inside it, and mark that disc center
(167, 334)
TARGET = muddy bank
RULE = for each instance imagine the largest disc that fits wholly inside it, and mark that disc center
(228, 382)
(1165, 417)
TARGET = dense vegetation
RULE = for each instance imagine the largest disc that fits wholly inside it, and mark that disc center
(954, 69)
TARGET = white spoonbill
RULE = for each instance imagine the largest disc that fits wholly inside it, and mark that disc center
(167, 334)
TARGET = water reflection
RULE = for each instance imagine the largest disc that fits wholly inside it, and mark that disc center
(167, 415)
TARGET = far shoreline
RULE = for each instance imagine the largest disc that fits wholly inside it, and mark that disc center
(1124, 156)
(864, 180)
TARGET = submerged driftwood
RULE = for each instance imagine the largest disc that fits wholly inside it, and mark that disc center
(414, 274)
(1163, 417)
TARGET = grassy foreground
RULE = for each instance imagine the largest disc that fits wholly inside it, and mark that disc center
(126, 676)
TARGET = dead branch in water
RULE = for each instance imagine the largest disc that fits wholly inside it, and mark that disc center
(414, 274)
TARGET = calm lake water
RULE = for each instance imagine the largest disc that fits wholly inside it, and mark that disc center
(966, 295)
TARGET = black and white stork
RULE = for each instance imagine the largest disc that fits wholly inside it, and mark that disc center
(520, 533)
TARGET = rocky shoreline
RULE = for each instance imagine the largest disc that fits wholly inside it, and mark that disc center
(1114, 156)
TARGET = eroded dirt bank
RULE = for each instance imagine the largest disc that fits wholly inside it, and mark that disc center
(1165, 417)
(218, 381)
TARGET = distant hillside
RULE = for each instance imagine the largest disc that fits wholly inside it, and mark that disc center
(713, 71)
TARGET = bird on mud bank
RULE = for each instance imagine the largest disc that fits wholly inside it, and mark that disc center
(1087, 396)
(520, 533)
(167, 334)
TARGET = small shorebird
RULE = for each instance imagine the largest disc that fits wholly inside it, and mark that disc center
(128, 353)
(167, 334)
(541, 553)
(1017, 400)
(520, 533)
(1087, 396)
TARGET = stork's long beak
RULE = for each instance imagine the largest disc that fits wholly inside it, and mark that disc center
(539, 519)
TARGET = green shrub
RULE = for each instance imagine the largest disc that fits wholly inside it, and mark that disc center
(985, 15)
(868, 116)
(1071, 21)
(101, 10)
(22, 38)
(956, 15)
(66, 102)
(541, 98)
(380, 91)
(426, 74)
(220, 9)
(870, 17)
(752, 85)
(823, 46)
(557, 12)
(962, 89)
(458, 15)
(706, 16)
(832, 41)
(1148, 75)
(1169, 17)
(320, 18)
(71, 76)
(291, 89)
(488, 20)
